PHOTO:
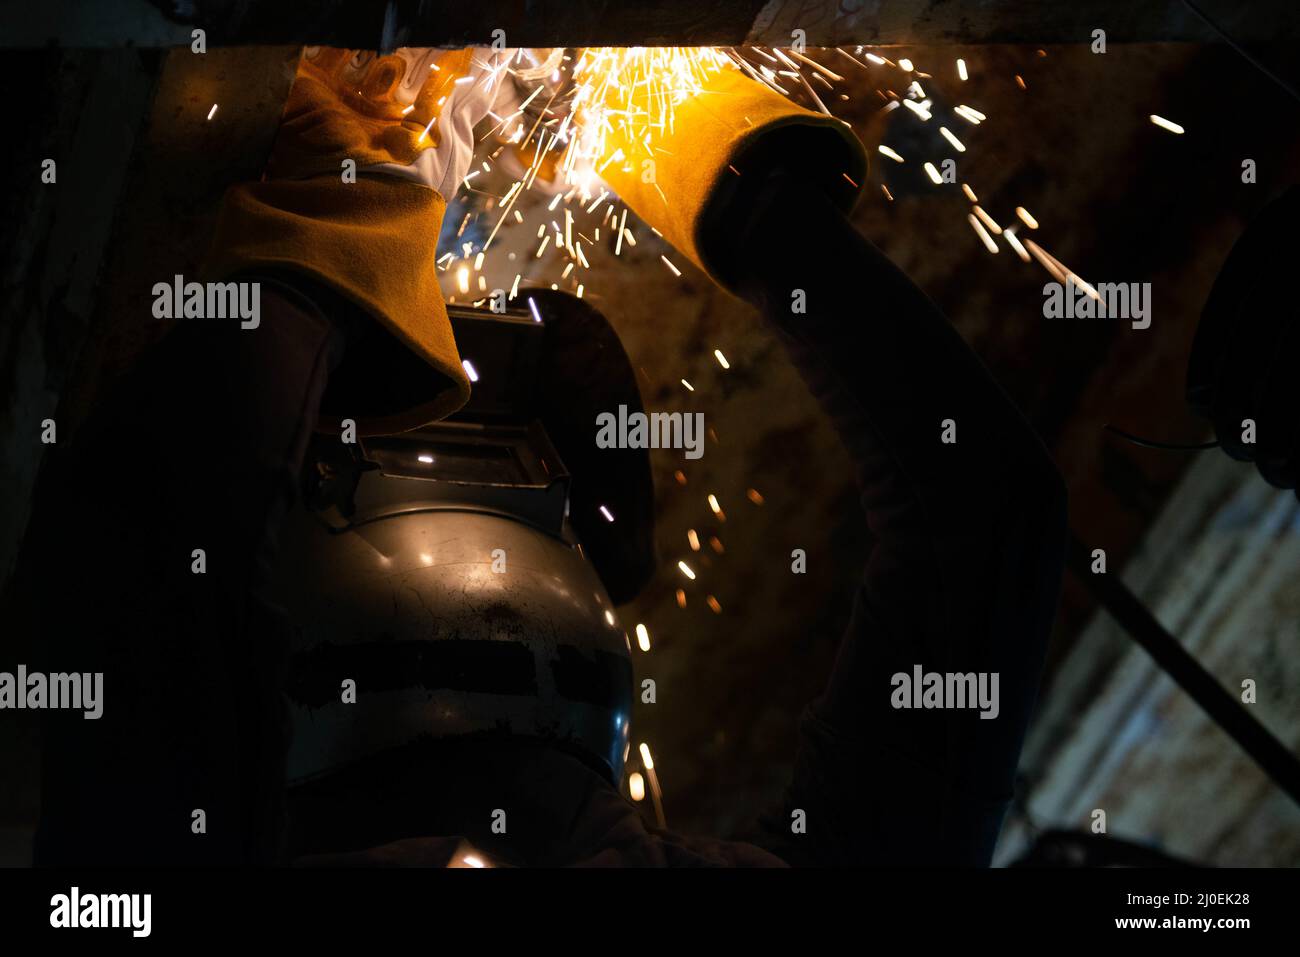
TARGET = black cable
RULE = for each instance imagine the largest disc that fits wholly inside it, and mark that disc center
(1168, 446)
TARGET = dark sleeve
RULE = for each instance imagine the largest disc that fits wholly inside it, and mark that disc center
(965, 572)
(199, 447)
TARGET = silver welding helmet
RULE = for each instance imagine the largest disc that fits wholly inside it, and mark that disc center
(440, 586)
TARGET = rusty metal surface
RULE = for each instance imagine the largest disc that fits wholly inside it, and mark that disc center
(168, 206)
(617, 23)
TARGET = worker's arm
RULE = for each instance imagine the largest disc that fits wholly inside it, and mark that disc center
(367, 155)
(969, 533)
(964, 575)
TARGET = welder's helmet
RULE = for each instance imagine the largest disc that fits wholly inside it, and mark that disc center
(461, 579)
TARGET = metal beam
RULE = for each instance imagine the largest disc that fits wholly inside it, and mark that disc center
(1272, 756)
(543, 23)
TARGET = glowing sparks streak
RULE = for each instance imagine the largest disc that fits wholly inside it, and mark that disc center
(1059, 270)
(632, 94)
(987, 220)
(1009, 234)
(956, 143)
(754, 74)
(793, 68)
(917, 108)
(636, 786)
(514, 193)
(983, 234)
(655, 792)
(617, 112)
(1045, 261)
(812, 93)
(1165, 124)
(817, 66)
(524, 105)
(622, 228)
(850, 57)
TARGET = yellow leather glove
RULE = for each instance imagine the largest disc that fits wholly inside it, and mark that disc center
(369, 232)
(733, 129)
